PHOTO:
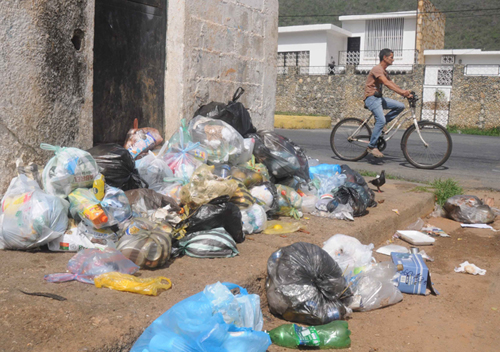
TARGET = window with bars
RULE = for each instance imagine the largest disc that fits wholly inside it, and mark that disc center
(293, 58)
(384, 33)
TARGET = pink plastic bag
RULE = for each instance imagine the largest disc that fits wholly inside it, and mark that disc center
(89, 263)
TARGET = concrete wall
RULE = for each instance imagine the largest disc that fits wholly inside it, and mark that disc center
(337, 96)
(45, 81)
(430, 28)
(213, 47)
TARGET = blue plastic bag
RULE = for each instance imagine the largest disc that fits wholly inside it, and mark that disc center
(213, 320)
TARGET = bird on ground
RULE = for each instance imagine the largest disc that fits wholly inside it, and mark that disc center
(379, 181)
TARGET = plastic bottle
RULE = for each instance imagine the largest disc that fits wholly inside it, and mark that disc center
(331, 335)
(95, 214)
(98, 186)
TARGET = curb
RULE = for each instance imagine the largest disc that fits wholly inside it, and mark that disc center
(302, 122)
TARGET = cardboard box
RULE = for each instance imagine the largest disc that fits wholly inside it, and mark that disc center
(414, 275)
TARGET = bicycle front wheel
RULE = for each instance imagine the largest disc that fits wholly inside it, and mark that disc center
(430, 151)
(349, 139)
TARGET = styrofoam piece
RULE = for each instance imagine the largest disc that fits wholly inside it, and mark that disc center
(416, 238)
(387, 250)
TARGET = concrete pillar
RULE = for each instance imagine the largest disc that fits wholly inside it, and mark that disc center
(215, 46)
(46, 56)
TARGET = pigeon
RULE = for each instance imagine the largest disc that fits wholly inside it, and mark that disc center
(379, 181)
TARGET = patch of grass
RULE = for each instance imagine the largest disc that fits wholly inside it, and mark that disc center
(287, 113)
(495, 131)
(420, 189)
(366, 173)
(445, 189)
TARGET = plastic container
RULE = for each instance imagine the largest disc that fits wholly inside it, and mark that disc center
(98, 186)
(332, 335)
(416, 238)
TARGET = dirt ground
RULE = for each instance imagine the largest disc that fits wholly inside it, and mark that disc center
(464, 317)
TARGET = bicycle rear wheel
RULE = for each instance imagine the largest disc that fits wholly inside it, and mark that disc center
(432, 155)
(347, 145)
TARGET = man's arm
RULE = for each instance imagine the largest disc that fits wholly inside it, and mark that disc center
(393, 86)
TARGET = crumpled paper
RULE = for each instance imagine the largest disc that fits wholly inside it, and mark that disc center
(469, 268)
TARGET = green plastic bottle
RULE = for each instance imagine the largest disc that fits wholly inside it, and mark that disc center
(331, 335)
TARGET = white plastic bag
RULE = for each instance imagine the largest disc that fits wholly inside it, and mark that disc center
(349, 253)
(69, 169)
(374, 288)
(153, 168)
(254, 219)
(31, 217)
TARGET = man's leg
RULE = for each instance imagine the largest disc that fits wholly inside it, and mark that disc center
(395, 106)
(374, 104)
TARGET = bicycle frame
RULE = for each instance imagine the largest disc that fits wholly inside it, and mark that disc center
(394, 123)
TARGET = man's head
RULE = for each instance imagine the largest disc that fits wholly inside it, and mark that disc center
(385, 53)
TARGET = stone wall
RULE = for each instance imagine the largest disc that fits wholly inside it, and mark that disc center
(337, 96)
(430, 28)
(214, 47)
(46, 70)
(475, 100)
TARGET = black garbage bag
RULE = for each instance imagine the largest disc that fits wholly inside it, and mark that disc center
(469, 210)
(282, 157)
(117, 166)
(219, 212)
(233, 113)
(355, 177)
(351, 194)
(305, 285)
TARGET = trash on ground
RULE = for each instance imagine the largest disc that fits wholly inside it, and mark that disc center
(30, 217)
(290, 202)
(254, 219)
(69, 168)
(470, 268)
(153, 169)
(214, 243)
(214, 320)
(396, 211)
(469, 210)
(305, 285)
(479, 226)
(266, 194)
(349, 253)
(278, 227)
(151, 286)
(44, 294)
(387, 250)
(414, 276)
(140, 140)
(417, 225)
(334, 335)
(375, 288)
(89, 263)
(416, 238)
(434, 231)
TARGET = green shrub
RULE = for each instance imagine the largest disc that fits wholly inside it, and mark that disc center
(445, 189)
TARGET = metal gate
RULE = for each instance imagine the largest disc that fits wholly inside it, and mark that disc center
(129, 66)
(438, 81)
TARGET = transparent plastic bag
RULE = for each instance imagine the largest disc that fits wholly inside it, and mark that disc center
(329, 183)
(258, 167)
(70, 168)
(305, 285)
(214, 320)
(151, 286)
(223, 143)
(469, 210)
(75, 239)
(242, 197)
(153, 168)
(266, 195)
(328, 170)
(140, 140)
(349, 253)
(204, 187)
(277, 227)
(89, 263)
(254, 219)
(116, 205)
(249, 177)
(290, 202)
(184, 156)
(309, 203)
(375, 288)
(31, 217)
(282, 157)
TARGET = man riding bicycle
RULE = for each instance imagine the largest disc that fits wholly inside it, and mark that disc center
(376, 103)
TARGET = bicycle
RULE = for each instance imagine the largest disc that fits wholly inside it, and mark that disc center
(425, 144)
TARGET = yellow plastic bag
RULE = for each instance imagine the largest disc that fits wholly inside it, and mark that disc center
(124, 282)
(276, 227)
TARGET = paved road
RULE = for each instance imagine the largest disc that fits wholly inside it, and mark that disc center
(475, 160)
